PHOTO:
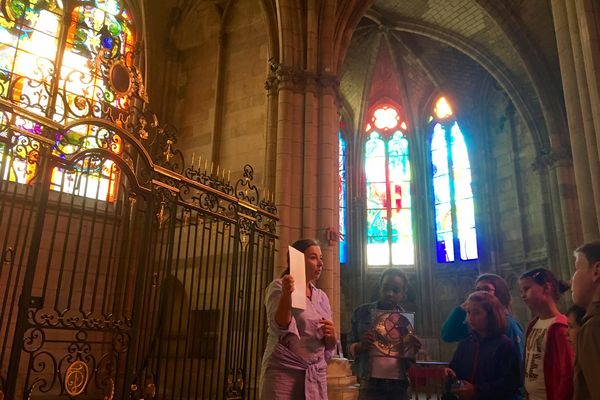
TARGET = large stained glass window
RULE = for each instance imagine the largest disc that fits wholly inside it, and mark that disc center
(456, 236)
(35, 42)
(388, 183)
(343, 200)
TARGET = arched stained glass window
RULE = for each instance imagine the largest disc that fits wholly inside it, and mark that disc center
(456, 236)
(388, 184)
(34, 44)
(343, 200)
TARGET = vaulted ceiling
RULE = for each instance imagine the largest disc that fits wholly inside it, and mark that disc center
(447, 45)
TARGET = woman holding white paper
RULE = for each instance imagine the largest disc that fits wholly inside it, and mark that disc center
(300, 341)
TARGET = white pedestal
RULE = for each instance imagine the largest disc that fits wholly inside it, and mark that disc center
(341, 384)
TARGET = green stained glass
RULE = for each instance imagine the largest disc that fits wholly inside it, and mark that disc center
(96, 29)
(388, 181)
(377, 223)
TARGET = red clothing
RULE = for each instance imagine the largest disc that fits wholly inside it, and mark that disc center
(558, 360)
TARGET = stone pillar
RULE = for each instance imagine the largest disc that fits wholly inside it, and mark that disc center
(588, 20)
(575, 40)
(307, 167)
(555, 169)
(580, 99)
(307, 142)
(328, 180)
(284, 190)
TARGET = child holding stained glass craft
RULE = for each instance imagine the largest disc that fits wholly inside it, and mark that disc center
(383, 343)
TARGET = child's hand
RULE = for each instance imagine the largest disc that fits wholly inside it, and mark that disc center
(449, 373)
(412, 344)
(367, 340)
(466, 390)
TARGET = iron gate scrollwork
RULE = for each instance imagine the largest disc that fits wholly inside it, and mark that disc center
(125, 274)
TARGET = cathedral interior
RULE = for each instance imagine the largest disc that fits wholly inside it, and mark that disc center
(447, 138)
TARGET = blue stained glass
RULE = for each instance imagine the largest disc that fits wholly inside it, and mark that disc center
(342, 200)
(439, 162)
(468, 244)
(465, 214)
(443, 217)
(439, 152)
(462, 184)
(460, 155)
(107, 42)
(445, 247)
(438, 139)
(456, 195)
(441, 189)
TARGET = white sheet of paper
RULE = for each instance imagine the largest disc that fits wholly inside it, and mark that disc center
(298, 272)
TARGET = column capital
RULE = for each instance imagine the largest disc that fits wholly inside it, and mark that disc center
(549, 158)
(298, 80)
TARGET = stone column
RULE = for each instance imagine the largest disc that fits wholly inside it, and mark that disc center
(570, 37)
(328, 210)
(284, 190)
(588, 20)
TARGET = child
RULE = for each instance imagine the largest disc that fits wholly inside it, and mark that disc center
(586, 294)
(486, 362)
(455, 330)
(383, 377)
(574, 321)
(548, 355)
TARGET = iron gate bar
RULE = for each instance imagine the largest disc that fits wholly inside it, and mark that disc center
(220, 276)
(41, 189)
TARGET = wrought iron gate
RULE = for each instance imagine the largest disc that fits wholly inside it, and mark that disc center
(123, 274)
